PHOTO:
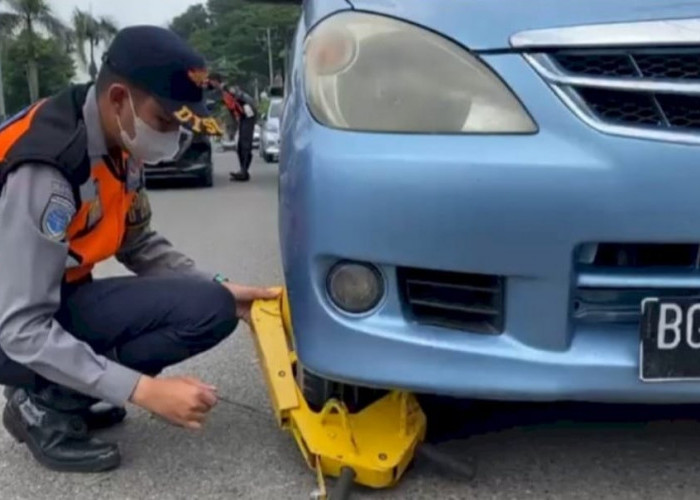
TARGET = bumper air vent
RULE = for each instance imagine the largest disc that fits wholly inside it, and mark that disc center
(470, 302)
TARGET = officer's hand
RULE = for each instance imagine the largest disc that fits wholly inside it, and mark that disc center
(182, 401)
(246, 295)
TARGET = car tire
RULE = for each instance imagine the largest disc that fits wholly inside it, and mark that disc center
(267, 158)
(207, 179)
(318, 391)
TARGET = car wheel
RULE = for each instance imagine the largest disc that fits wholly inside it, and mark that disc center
(267, 158)
(208, 177)
(318, 391)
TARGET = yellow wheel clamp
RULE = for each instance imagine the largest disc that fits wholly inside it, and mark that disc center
(372, 448)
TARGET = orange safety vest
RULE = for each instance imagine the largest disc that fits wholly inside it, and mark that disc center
(232, 104)
(108, 199)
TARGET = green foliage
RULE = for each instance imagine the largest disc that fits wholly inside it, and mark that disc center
(263, 106)
(232, 35)
(22, 22)
(195, 18)
(56, 69)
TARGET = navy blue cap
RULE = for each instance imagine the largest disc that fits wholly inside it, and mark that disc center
(162, 64)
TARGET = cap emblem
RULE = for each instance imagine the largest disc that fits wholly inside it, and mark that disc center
(200, 77)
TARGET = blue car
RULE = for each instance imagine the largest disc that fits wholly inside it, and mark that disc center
(495, 199)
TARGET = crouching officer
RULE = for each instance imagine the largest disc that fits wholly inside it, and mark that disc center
(73, 195)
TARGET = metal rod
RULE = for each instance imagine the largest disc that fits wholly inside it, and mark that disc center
(2, 90)
(343, 488)
(241, 406)
(269, 56)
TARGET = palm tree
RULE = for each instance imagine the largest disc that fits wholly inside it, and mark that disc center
(26, 16)
(91, 31)
(3, 42)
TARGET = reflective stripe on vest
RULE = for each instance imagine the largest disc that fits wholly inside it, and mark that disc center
(14, 129)
(97, 230)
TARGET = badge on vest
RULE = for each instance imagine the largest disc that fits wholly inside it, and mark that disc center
(140, 211)
(89, 193)
(134, 176)
(95, 213)
(57, 216)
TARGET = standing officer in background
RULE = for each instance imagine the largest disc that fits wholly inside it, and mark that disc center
(243, 110)
(72, 196)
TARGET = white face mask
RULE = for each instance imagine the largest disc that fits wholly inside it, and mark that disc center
(148, 145)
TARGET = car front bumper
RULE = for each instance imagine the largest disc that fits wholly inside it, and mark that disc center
(271, 150)
(512, 206)
(176, 171)
(270, 144)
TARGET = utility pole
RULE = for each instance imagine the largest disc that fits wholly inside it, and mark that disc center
(269, 55)
(3, 112)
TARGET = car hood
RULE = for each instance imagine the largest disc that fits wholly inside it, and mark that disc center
(489, 24)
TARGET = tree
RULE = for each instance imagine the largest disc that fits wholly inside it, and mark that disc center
(234, 36)
(25, 16)
(4, 38)
(91, 31)
(195, 18)
(57, 69)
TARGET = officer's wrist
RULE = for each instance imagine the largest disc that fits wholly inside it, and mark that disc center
(142, 391)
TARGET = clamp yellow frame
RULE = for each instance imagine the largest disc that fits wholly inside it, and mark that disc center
(377, 443)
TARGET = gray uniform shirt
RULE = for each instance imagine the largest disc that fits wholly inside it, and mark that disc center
(34, 254)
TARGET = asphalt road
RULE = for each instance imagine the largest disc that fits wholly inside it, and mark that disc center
(523, 451)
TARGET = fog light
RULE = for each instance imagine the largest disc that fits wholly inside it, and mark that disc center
(354, 287)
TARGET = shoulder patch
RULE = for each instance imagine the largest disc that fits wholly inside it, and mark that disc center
(57, 216)
(62, 188)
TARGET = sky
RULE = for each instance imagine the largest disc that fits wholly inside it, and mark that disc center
(124, 12)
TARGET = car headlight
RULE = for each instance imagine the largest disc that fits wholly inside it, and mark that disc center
(373, 73)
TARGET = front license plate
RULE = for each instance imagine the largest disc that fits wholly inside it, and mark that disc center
(670, 340)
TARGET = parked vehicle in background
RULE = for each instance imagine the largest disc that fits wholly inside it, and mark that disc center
(270, 140)
(479, 198)
(195, 164)
(228, 143)
(257, 132)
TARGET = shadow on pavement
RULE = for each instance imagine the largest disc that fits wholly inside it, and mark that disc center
(454, 419)
(174, 183)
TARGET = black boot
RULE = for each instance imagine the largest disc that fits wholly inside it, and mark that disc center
(99, 416)
(242, 176)
(59, 440)
(103, 416)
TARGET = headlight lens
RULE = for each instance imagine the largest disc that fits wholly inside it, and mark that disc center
(374, 73)
(355, 287)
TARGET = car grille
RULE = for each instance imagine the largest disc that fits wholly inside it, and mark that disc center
(649, 93)
(673, 65)
(471, 302)
(613, 279)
